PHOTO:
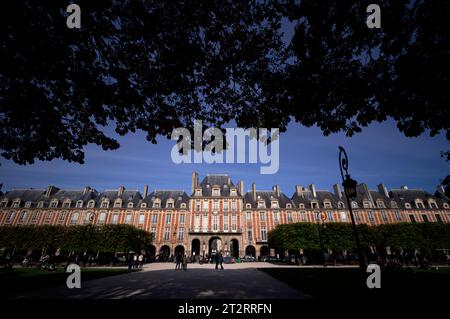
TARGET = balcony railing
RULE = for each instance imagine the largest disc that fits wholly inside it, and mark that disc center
(200, 230)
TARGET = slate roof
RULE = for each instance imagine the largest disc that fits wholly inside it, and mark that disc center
(178, 196)
(223, 181)
(267, 196)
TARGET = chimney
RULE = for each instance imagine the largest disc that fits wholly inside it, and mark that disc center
(312, 188)
(383, 190)
(194, 183)
(51, 190)
(120, 191)
(404, 187)
(86, 190)
(145, 191)
(299, 190)
(276, 189)
(241, 188)
(254, 191)
(337, 190)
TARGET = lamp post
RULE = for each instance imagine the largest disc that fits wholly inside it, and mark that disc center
(321, 217)
(92, 222)
(350, 192)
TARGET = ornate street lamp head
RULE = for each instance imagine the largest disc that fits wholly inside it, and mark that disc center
(350, 186)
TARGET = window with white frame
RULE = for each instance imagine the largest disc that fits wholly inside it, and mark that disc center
(66, 204)
(357, 217)
(249, 216)
(117, 203)
(233, 222)
(91, 204)
(419, 204)
(330, 216)
(263, 233)
(301, 205)
(74, 218)
(34, 217)
(394, 204)
(181, 219)
(225, 205)
(303, 216)
(261, 204)
(233, 192)
(233, 204)
(27, 204)
(167, 233)
(445, 205)
(274, 204)
(407, 205)
(168, 218)
(216, 204)
(79, 204)
(354, 204)
(48, 218)
(128, 219)
(198, 192)
(101, 218)
(384, 216)
(343, 216)
(314, 205)
(397, 215)
(327, 204)
(143, 205)
(249, 234)
(156, 203)
(216, 192)
(154, 218)
(16, 203)
(215, 222)
(367, 204)
(276, 216)
(289, 217)
(205, 222)
(380, 204)
(205, 205)
(370, 215)
(105, 203)
(225, 221)
(10, 216)
(197, 222)
(23, 216)
(4, 203)
(180, 233)
(262, 216)
(130, 205)
(54, 203)
(340, 205)
(115, 219)
(40, 204)
(288, 206)
(183, 205)
(170, 203)
(432, 204)
(153, 232)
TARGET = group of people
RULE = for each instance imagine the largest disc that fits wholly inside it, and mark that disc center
(135, 262)
(181, 262)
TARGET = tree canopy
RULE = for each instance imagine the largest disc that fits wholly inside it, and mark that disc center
(158, 65)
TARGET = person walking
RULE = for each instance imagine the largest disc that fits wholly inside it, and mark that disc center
(184, 262)
(178, 262)
(221, 260)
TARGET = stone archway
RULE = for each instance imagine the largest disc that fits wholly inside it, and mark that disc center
(179, 250)
(215, 246)
(164, 253)
(264, 251)
(250, 251)
(234, 248)
(195, 247)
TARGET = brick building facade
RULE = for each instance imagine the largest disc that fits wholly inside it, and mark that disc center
(218, 214)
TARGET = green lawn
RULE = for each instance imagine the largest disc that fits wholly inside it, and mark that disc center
(345, 283)
(27, 279)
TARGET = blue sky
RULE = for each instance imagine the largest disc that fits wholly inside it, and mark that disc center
(379, 154)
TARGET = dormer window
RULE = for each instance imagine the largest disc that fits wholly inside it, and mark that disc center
(419, 204)
(91, 204)
(40, 204)
(216, 192)
(408, 205)
(156, 203)
(367, 204)
(233, 192)
(130, 205)
(144, 205)
(394, 204)
(288, 206)
(274, 204)
(54, 203)
(27, 204)
(66, 204)
(445, 205)
(117, 203)
(183, 205)
(380, 204)
(340, 205)
(4, 203)
(169, 203)
(248, 205)
(354, 205)
(301, 205)
(432, 204)
(198, 192)
(261, 204)
(79, 204)
(327, 204)
(16, 204)
(314, 205)
(105, 203)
